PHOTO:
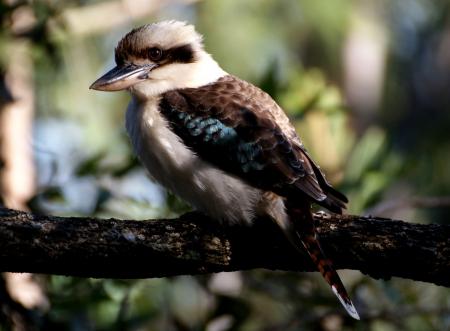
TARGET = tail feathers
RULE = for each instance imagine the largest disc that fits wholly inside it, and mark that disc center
(347, 303)
(333, 204)
(302, 234)
(325, 267)
(335, 201)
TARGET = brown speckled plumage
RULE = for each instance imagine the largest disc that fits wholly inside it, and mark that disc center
(287, 168)
(217, 141)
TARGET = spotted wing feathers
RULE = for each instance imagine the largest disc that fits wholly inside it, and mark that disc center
(240, 129)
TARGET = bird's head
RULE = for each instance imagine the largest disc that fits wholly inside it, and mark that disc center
(159, 57)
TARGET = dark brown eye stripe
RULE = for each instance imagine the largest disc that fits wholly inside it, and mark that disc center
(179, 54)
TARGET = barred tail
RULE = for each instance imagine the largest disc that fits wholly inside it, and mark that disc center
(324, 265)
(305, 237)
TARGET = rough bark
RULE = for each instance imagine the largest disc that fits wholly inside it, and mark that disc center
(193, 244)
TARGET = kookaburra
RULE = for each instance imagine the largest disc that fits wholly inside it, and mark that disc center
(219, 142)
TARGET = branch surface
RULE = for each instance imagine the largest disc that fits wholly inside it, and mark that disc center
(194, 244)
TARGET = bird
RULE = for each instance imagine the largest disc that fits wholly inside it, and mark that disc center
(218, 142)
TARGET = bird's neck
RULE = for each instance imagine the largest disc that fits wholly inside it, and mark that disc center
(204, 71)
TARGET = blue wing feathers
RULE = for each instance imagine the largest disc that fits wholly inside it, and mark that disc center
(227, 127)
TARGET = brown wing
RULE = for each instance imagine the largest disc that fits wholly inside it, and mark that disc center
(240, 129)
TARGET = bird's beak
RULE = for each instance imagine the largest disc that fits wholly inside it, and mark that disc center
(122, 77)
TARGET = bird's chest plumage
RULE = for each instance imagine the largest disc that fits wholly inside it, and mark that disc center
(179, 169)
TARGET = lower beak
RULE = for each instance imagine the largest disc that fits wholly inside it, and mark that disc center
(122, 77)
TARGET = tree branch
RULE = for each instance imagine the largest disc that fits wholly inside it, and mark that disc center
(194, 244)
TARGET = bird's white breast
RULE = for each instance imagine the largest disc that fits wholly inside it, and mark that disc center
(179, 169)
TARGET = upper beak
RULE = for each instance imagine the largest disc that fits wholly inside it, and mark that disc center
(122, 77)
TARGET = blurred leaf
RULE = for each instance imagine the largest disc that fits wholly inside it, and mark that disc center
(366, 153)
(52, 194)
(176, 205)
(90, 165)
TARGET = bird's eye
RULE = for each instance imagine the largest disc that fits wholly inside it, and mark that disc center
(155, 54)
